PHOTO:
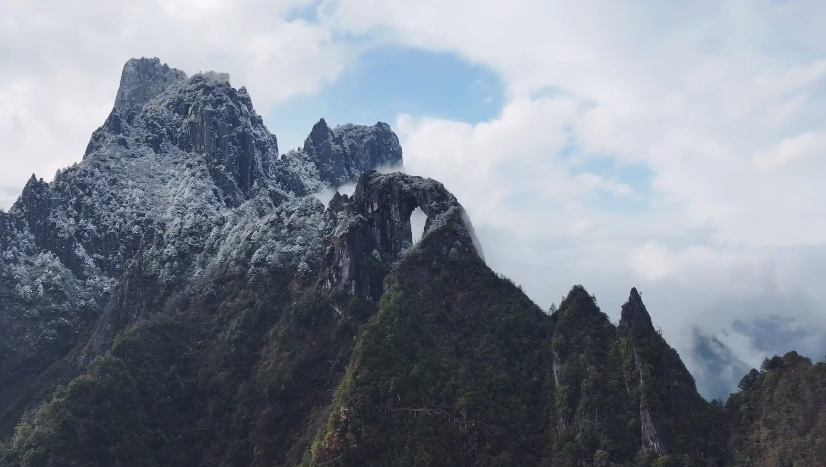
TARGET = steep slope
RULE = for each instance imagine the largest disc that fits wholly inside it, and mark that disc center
(459, 367)
(672, 416)
(591, 412)
(778, 416)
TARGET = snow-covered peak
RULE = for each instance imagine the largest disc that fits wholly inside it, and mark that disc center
(182, 183)
(174, 154)
(343, 153)
(141, 80)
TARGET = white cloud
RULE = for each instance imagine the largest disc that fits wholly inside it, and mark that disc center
(651, 261)
(696, 91)
(722, 101)
(793, 150)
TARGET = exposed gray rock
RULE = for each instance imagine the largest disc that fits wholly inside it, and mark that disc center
(343, 153)
(211, 118)
(634, 313)
(557, 366)
(651, 436)
(372, 229)
(142, 80)
(650, 433)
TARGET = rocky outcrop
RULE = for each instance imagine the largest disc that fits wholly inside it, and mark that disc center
(142, 80)
(634, 313)
(211, 118)
(176, 149)
(652, 439)
(557, 366)
(343, 153)
(372, 229)
(650, 432)
(634, 316)
(159, 109)
(34, 207)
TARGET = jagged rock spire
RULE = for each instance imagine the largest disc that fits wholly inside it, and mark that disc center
(320, 133)
(634, 313)
(343, 153)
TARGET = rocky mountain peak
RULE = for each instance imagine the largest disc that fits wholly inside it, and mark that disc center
(634, 313)
(33, 203)
(342, 153)
(143, 79)
(318, 135)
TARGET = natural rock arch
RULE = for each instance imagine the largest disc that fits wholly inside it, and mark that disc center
(372, 229)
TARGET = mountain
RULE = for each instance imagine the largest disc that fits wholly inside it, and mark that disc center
(178, 298)
(180, 170)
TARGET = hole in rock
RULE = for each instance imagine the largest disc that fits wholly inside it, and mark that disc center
(417, 221)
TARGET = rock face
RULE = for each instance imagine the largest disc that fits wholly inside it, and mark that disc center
(634, 316)
(634, 313)
(341, 154)
(371, 229)
(650, 432)
(179, 171)
(141, 81)
(204, 116)
(651, 436)
(172, 145)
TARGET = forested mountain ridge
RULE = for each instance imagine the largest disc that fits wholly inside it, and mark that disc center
(178, 299)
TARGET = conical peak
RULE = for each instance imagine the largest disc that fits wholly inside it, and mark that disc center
(579, 302)
(577, 293)
(35, 184)
(634, 313)
(319, 133)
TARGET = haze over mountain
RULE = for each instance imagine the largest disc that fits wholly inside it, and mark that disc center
(182, 296)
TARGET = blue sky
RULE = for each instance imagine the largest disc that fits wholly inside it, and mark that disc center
(385, 82)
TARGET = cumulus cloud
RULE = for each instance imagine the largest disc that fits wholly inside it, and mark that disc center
(722, 102)
(793, 150)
